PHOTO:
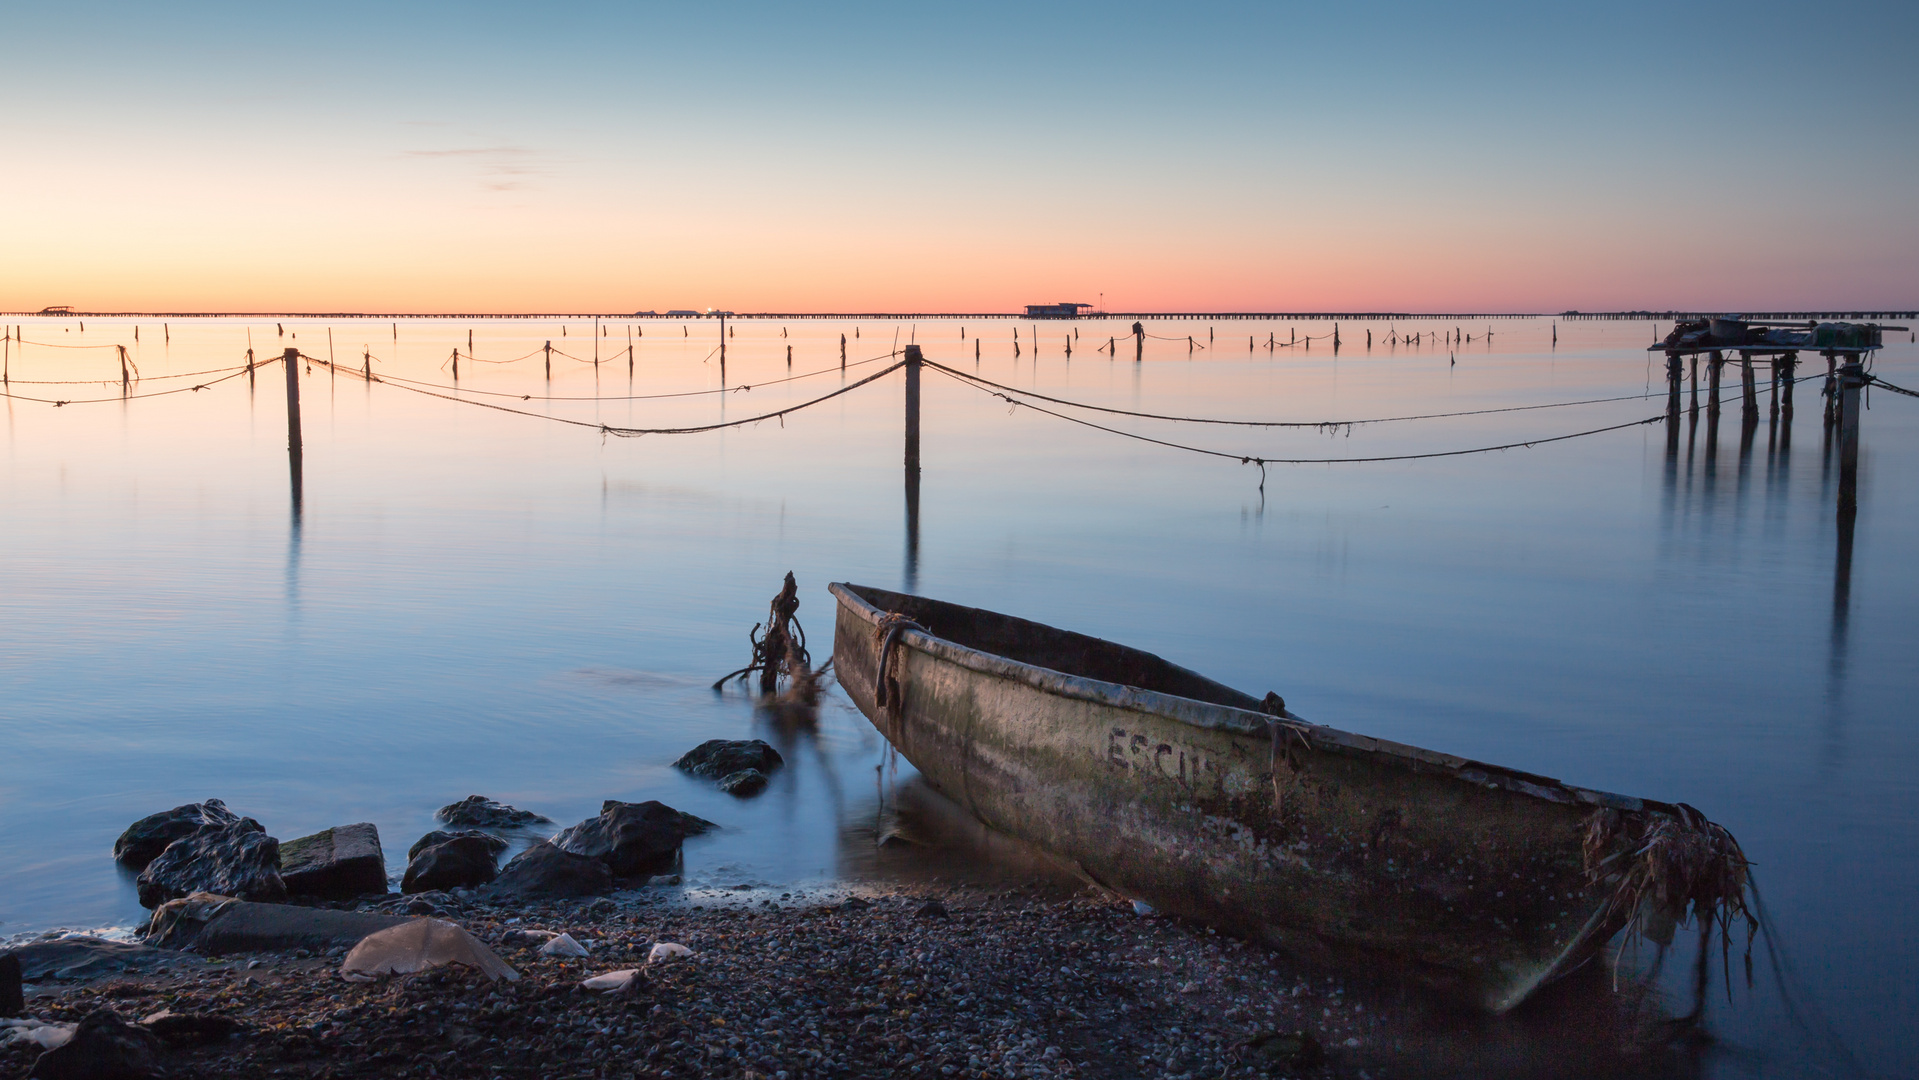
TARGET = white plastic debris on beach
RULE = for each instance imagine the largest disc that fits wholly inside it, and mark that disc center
(667, 950)
(419, 945)
(42, 1034)
(612, 980)
(562, 945)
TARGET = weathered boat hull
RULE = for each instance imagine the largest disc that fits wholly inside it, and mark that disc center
(1163, 785)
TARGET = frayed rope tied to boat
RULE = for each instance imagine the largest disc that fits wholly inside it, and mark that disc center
(887, 634)
(1278, 720)
(1669, 871)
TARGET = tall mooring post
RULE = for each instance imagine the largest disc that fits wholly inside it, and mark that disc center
(1748, 390)
(1139, 343)
(913, 362)
(1675, 372)
(1852, 378)
(291, 361)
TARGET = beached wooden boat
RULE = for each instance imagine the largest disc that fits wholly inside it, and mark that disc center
(1208, 803)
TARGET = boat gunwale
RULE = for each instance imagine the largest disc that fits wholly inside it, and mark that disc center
(1211, 716)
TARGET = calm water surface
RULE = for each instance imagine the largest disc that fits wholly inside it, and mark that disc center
(477, 601)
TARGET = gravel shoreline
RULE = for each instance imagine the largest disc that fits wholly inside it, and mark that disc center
(996, 983)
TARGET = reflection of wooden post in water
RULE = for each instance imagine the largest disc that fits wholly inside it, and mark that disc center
(291, 360)
(913, 361)
(1851, 378)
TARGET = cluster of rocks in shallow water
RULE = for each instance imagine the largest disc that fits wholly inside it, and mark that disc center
(206, 848)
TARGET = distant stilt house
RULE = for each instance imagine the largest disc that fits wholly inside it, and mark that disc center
(1057, 311)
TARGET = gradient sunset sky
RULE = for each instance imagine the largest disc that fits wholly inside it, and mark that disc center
(586, 157)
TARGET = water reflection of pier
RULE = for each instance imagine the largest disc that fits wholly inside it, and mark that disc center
(1844, 346)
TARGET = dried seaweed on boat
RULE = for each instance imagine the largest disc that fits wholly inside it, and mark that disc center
(1669, 870)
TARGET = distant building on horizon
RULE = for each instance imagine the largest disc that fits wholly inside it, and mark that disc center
(1057, 311)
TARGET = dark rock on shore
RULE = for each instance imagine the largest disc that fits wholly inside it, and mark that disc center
(545, 870)
(743, 783)
(480, 812)
(717, 758)
(12, 996)
(335, 864)
(443, 860)
(238, 860)
(190, 1029)
(215, 925)
(441, 836)
(145, 839)
(80, 958)
(630, 838)
(103, 1047)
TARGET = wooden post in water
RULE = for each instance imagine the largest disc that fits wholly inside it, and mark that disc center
(913, 361)
(549, 359)
(1748, 389)
(291, 361)
(456, 363)
(124, 386)
(1787, 367)
(1713, 364)
(1851, 378)
(1831, 392)
(1139, 343)
(843, 350)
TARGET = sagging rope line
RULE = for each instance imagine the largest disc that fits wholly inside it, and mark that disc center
(1877, 381)
(626, 432)
(1320, 424)
(515, 360)
(643, 397)
(1262, 462)
(234, 374)
(112, 382)
(51, 345)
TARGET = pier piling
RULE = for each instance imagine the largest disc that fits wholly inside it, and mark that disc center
(291, 361)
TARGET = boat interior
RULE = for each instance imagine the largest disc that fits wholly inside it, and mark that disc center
(1050, 647)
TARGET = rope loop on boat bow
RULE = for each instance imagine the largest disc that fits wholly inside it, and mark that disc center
(887, 634)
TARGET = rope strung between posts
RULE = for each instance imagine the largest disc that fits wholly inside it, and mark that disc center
(235, 373)
(1262, 462)
(629, 432)
(639, 397)
(1316, 424)
(474, 359)
(51, 345)
(112, 382)
(1877, 381)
